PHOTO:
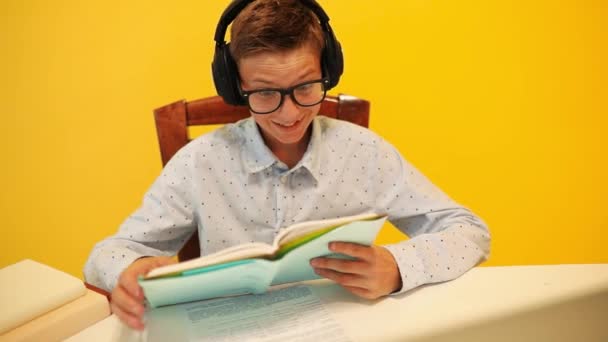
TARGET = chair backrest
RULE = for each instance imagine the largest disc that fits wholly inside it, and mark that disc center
(173, 120)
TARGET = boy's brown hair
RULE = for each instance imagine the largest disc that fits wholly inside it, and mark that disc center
(273, 26)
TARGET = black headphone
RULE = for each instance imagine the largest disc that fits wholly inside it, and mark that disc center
(224, 68)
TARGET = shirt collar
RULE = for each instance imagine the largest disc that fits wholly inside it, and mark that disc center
(257, 156)
(311, 157)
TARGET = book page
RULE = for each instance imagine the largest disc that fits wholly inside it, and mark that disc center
(295, 264)
(244, 251)
(303, 229)
(290, 314)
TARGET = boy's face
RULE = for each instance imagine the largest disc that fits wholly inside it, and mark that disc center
(288, 125)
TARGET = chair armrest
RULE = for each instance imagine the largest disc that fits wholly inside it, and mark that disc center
(98, 290)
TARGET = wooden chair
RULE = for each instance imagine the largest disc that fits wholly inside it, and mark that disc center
(173, 120)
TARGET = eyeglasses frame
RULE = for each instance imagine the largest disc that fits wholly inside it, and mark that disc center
(285, 91)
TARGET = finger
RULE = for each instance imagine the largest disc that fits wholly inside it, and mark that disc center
(341, 265)
(360, 292)
(164, 261)
(140, 267)
(128, 281)
(344, 279)
(352, 249)
(151, 263)
(128, 304)
(132, 321)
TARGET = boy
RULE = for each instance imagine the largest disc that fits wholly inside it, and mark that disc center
(245, 181)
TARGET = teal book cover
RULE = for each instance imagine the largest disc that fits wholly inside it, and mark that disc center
(253, 268)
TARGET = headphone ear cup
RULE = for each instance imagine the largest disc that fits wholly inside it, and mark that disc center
(225, 75)
(332, 59)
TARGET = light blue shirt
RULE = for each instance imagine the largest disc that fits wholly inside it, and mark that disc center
(230, 186)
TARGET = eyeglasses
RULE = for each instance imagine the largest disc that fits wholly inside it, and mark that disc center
(265, 101)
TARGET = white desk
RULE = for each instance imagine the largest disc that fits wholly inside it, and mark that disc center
(516, 303)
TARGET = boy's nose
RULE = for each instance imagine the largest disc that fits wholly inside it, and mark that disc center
(289, 109)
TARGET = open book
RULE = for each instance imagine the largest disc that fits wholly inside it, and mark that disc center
(253, 267)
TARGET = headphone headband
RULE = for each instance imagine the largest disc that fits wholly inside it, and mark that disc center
(225, 71)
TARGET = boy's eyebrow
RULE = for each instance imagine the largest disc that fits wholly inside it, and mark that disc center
(262, 81)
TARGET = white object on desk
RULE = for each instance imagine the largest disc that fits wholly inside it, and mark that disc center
(40, 303)
(515, 303)
(62, 322)
(29, 289)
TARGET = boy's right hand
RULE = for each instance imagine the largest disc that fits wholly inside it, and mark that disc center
(128, 296)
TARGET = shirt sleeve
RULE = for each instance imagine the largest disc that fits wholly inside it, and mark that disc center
(446, 239)
(159, 227)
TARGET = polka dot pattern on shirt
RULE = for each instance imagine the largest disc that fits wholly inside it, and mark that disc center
(230, 187)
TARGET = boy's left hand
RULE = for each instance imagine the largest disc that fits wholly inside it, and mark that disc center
(373, 274)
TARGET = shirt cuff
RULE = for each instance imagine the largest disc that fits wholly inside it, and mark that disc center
(109, 265)
(411, 267)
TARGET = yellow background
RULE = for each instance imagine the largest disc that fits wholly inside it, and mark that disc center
(502, 104)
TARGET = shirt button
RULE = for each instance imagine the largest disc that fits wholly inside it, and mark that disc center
(283, 179)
